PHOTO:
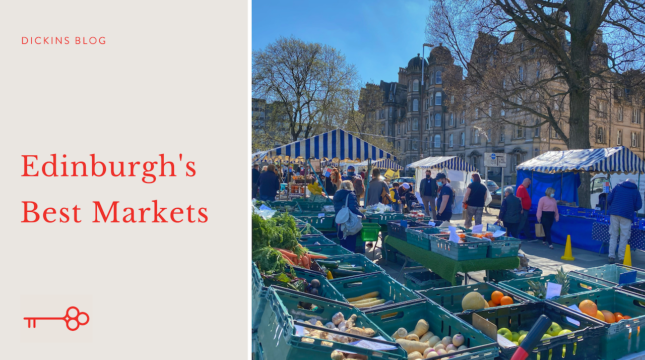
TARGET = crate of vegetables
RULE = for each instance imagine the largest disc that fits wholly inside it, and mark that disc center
(328, 250)
(419, 236)
(425, 328)
(608, 274)
(307, 240)
(571, 335)
(621, 311)
(535, 288)
(425, 279)
(458, 299)
(503, 275)
(385, 218)
(349, 265)
(306, 229)
(503, 247)
(373, 290)
(284, 205)
(297, 326)
(469, 248)
(398, 228)
(293, 278)
(319, 220)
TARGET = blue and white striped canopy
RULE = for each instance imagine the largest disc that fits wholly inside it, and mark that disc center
(607, 160)
(334, 144)
(443, 162)
(382, 164)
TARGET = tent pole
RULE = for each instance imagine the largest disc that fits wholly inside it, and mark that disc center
(561, 184)
(609, 180)
(532, 183)
(367, 186)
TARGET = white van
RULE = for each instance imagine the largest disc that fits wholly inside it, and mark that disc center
(598, 181)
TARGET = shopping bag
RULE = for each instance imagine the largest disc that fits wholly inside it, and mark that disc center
(539, 230)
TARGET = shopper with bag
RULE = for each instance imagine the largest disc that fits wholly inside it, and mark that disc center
(623, 201)
(475, 199)
(510, 212)
(348, 215)
(547, 213)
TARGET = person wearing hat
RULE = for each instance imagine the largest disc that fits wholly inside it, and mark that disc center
(445, 198)
(623, 201)
(404, 189)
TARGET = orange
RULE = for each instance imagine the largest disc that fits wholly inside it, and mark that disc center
(626, 317)
(588, 307)
(618, 317)
(609, 316)
(600, 316)
(506, 300)
(492, 304)
(618, 313)
(496, 297)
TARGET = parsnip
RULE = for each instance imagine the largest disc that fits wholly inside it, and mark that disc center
(370, 304)
(415, 356)
(364, 296)
(426, 336)
(412, 346)
(351, 322)
(400, 334)
(367, 332)
(412, 337)
(338, 318)
(421, 328)
(337, 355)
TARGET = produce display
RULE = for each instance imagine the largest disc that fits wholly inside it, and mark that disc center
(517, 337)
(538, 289)
(590, 308)
(420, 343)
(339, 269)
(368, 300)
(476, 301)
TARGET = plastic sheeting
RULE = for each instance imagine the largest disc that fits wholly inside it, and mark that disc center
(565, 185)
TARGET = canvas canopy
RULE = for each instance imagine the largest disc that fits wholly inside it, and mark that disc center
(440, 162)
(381, 164)
(613, 160)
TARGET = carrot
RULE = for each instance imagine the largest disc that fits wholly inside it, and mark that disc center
(287, 259)
(288, 253)
(314, 256)
(305, 262)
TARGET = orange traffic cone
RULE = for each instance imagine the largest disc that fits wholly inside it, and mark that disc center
(628, 256)
(567, 250)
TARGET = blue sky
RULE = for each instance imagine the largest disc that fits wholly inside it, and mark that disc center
(377, 36)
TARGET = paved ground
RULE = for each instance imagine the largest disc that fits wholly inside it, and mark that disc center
(539, 255)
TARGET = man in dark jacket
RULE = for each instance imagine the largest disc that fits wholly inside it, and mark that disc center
(255, 176)
(269, 184)
(624, 200)
(428, 190)
(511, 212)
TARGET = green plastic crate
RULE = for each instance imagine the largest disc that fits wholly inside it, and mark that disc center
(441, 324)
(326, 221)
(358, 260)
(418, 236)
(284, 205)
(577, 285)
(450, 297)
(388, 288)
(609, 273)
(369, 232)
(259, 290)
(472, 249)
(621, 338)
(384, 218)
(281, 340)
(257, 352)
(307, 240)
(503, 275)
(425, 279)
(582, 343)
(305, 228)
(329, 250)
(504, 247)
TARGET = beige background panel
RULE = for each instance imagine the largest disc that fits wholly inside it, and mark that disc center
(171, 79)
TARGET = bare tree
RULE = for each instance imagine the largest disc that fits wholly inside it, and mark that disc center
(305, 82)
(545, 59)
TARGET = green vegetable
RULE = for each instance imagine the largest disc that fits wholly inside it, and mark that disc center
(342, 272)
(328, 264)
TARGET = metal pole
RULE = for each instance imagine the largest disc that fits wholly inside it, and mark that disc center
(561, 177)
(502, 184)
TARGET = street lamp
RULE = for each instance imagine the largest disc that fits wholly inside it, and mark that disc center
(423, 58)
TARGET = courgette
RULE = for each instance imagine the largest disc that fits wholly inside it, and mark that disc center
(343, 272)
(328, 264)
(352, 268)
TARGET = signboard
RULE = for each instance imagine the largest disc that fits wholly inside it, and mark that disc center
(494, 159)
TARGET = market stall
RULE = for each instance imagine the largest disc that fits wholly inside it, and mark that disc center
(456, 169)
(588, 228)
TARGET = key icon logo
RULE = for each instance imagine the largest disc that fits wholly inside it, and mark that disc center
(73, 319)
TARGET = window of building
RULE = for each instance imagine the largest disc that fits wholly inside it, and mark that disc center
(620, 113)
(452, 99)
(437, 120)
(426, 104)
(635, 139)
(521, 73)
(521, 46)
(516, 159)
(414, 144)
(490, 110)
(398, 145)
(502, 112)
(462, 140)
(452, 119)
(489, 134)
(501, 134)
(415, 124)
(463, 117)
(519, 131)
(636, 116)
(619, 138)
(415, 105)
(415, 85)
(475, 160)
(428, 122)
(475, 136)
(437, 141)
(437, 76)
(602, 109)
(450, 143)
(476, 113)
(600, 135)
(437, 98)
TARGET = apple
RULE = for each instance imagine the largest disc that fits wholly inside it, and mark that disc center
(523, 332)
(515, 336)
(565, 331)
(521, 338)
(554, 329)
(516, 343)
(545, 336)
(505, 333)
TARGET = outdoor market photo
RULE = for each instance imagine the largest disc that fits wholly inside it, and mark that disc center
(470, 209)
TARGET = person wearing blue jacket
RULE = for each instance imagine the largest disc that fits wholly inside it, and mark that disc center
(268, 184)
(340, 197)
(624, 200)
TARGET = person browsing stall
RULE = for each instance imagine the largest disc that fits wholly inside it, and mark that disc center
(624, 200)
(547, 213)
(346, 195)
(377, 188)
(269, 184)
(428, 190)
(475, 198)
(524, 196)
(510, 212)
(445, 198)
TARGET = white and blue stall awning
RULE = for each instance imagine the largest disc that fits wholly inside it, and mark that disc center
(613, 160)
(381, 164)
(336, 144)
(443, 162)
